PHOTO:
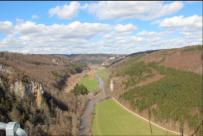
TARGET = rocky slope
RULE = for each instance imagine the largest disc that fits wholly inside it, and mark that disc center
(31, 90)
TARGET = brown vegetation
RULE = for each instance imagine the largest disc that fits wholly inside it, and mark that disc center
(187, 59)
(31, 90)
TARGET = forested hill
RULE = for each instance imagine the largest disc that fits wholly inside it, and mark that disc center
(165, 86)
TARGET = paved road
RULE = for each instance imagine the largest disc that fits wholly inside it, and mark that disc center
(86, 124)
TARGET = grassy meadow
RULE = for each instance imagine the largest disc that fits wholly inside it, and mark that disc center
(90, 83)
(103, 73)
(111, 119)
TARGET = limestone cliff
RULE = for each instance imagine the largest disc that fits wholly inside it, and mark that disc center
(22, 89)
(19, 86)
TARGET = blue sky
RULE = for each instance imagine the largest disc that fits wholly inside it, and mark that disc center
(98, 27)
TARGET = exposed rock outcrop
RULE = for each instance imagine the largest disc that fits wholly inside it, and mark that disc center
(5, 69)
(22, 89)
(31, 93)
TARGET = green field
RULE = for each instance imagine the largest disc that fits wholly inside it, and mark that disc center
(90, 84)
(103, 73)
(111, 119)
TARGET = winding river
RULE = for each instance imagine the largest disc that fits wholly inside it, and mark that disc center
(85, 120)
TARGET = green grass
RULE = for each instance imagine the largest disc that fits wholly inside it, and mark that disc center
(112, 119)
(103, 73)
(90, 84)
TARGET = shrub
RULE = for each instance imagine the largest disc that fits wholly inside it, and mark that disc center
(80, 89)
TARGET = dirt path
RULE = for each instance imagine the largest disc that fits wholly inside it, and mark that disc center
(128, 110)
(86, 119)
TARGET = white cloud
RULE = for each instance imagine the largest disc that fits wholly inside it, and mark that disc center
(125, 28)
(120, 39)
(181, 21)
(152, 38)
(66, 11)
(146, 33)
(28, 27)
(75, 37)
(190, 28)
(75, 29)
(6, 26)
(143, 10)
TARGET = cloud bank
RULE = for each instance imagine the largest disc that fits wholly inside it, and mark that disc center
(123, 36)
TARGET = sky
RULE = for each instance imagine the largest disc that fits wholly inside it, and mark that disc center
(86, 27)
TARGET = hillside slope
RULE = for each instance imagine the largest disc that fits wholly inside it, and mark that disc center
(31, 91)
(164, 86)
(105, 59)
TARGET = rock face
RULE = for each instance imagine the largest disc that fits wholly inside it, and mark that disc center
(5, 69)
(37, 90)
(31, 93)
(18, 88)
(22, 89)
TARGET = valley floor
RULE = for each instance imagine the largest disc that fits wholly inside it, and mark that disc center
(112, 119)
(93, 99)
